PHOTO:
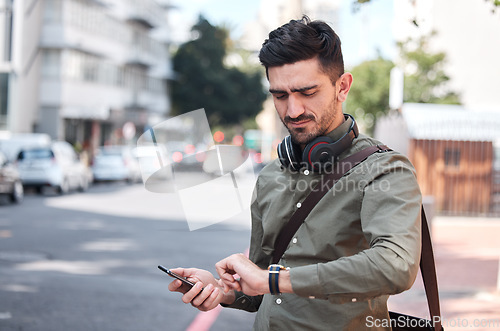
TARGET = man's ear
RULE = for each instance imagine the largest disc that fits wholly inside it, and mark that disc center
(343, 86)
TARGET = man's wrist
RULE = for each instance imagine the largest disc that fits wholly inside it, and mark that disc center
(229, 298)
(285, 281)
(279, 279)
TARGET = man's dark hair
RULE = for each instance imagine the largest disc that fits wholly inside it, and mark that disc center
(300, 40)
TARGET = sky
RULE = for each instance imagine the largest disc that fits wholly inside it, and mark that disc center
(362, 33)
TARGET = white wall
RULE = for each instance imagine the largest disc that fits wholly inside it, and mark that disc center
(468, 32)
(23, 89)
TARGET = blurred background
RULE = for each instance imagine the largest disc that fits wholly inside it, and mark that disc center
(82, 80)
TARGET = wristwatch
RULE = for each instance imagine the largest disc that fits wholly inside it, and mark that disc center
(274, 274)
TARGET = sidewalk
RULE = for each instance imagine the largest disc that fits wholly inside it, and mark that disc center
(467, 253)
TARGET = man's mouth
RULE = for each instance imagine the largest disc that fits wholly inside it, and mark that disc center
(298, 124)
(299, 121)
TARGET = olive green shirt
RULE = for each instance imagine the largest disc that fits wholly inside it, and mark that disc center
(359, 244)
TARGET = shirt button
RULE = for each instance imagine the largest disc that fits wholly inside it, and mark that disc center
(278, 301)
(294, 240)
(299, 205)
(354, 300)
(306, 172)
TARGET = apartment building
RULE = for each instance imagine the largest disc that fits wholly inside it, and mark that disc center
(80, 70)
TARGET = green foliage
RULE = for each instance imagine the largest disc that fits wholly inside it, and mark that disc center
(495, 3)
(228, 95)
(425, 82)
(425, 79)
(369, 95)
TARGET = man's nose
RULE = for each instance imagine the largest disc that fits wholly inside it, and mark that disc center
(295, 108)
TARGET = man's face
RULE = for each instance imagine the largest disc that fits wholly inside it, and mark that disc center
(305, 99)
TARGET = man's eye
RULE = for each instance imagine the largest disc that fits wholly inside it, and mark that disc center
(281, 96)
(309, 94)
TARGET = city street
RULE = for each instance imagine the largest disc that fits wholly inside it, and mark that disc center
(88, 261)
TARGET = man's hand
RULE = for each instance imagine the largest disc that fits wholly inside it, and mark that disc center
(253, 280)
(206, 294)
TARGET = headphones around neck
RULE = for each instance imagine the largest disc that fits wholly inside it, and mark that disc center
(320, 153)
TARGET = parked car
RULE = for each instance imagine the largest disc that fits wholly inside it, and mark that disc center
(12, 143)
(115, 163)
(56, 166)
(10, 180)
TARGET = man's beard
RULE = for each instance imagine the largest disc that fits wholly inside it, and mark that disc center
(302, 137)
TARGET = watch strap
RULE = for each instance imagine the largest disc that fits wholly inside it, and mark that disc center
(274, 274)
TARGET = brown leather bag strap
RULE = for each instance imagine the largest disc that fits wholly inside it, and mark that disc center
(319, 190)
(427, 264)
(428, 270)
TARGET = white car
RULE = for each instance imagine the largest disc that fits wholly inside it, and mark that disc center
(10, 182)
(115, 163)
(56, 166)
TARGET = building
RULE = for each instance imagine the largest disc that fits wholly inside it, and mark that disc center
(455, 151)
(80, 70)
(467, 32)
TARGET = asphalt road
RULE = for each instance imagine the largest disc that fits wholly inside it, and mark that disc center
(88, 261)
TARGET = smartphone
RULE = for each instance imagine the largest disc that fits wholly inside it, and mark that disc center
(179, 277)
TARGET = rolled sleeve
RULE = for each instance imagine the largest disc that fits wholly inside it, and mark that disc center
(306, 282)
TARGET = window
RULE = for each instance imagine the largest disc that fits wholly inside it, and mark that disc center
(90, 68)
(452, 157)
(51, 63)
(53, 11)
(4, 97)
(496, 159)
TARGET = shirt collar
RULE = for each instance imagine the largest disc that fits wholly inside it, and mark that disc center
(341, 130)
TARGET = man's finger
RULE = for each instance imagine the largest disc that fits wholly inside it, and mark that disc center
(227, 278)
(175, 286)
(192, 293)
(209, 302)
(235, 286)
(203, 295)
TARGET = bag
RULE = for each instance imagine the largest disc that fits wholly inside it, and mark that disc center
(399, 322)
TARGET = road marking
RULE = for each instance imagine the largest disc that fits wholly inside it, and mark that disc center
(204, 320)
(5, 234)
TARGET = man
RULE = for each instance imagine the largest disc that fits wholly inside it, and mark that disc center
(360, 243)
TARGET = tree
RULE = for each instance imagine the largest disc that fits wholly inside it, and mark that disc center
(425, 80)
(369, 94)
(228, 95)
